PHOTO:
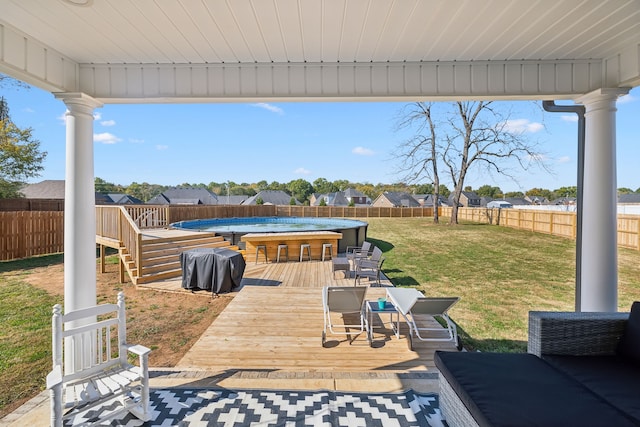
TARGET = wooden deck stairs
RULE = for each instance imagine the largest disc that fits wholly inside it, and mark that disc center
(160, 256)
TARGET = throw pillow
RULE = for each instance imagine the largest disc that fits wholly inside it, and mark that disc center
(629, 345)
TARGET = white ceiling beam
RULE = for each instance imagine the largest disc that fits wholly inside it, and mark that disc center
(124, 83)
(33, 62)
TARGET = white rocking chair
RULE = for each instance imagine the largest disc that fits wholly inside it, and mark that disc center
(95, 369)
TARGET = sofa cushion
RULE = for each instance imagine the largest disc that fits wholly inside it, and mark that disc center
(502, 389)
(613, 378)
(629, 345)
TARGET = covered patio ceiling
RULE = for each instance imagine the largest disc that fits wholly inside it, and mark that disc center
(214, 50)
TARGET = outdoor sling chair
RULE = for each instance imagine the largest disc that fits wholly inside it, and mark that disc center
(346, 301)
(369, 267)
(414, 306)
(355, 252)
(95, 369)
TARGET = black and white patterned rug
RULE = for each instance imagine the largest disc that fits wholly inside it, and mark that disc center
(222, 407)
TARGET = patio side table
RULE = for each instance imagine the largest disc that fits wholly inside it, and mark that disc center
(371, 308)
(341, 264)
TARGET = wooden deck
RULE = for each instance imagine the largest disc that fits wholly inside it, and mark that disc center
(270, 336)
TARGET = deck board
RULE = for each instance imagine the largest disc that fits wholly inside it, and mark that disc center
(273, 325)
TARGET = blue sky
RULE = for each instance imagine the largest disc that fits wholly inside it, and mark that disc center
(170, 144)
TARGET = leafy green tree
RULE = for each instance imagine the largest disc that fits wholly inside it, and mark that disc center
(20, 155)
(275, 185)
(624, 190)
(566, 192)
(514, 194)
(341, 185)
(292, 201)
(103, 186)
(444, 190)
(488, 191)
(323, 202)
(259, 201)
(144, 191)
(423, 189)
(300, 189)
(321, 185)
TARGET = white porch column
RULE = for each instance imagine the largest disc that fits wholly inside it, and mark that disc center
(599, 285)
(79, 204)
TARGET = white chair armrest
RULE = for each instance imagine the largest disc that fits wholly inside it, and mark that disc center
(54, 377)
(139, 350)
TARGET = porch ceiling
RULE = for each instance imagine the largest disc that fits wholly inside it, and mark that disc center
(250, 33)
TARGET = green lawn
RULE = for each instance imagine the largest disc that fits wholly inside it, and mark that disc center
(500, 274)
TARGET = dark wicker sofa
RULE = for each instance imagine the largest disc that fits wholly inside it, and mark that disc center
(582, 369)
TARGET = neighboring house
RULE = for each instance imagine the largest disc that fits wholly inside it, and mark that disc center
(392, 199)
(332, 199)
(53, 189)
(537, 200)
(119, 199)
(47, 189)
(232, 199)
(427, 200)
(500, 204)
(355, 196)
(566, 201)
(631, 198)
(485, 200)
(185, 196)
(519, 201)
(468, 199)
(270, 197)
(314, 199)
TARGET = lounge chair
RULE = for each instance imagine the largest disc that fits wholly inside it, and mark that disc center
(369, 267)
(411, 303)
(355, 252)
(347, 301)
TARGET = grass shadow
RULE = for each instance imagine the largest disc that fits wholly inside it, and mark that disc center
(493, 345)
(382, 244)
(30, 263)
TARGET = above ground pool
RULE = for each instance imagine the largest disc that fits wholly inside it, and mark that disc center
(353, 231)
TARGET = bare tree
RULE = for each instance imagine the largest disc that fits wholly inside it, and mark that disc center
(419, 154)
(473, 133)
(480, 134)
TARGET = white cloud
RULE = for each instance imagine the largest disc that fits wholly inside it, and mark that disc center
(97, 116)
(302, 171)
(108, 123)
(63, 117)
(269, 107)
(106, 138)
(625, 99)
(29, 110)
(162, 147)
(522, 126)
(361, 151)
(136, 141)
(564, 159)
(569, 117)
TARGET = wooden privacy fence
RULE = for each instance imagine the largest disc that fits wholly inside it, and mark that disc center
(29, 233)
(25, 234)
(563, 224)
(150, 216)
